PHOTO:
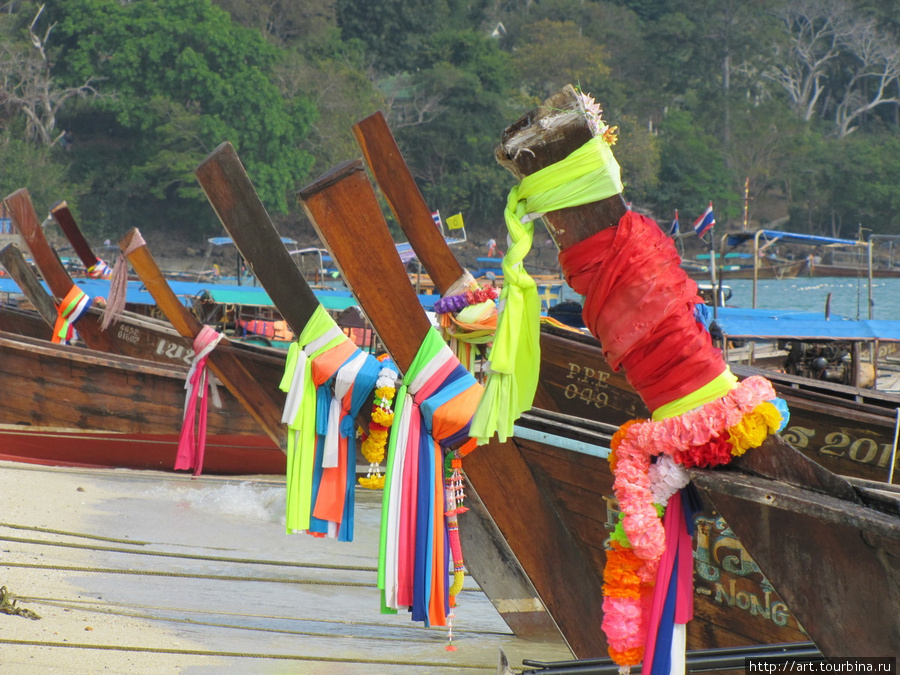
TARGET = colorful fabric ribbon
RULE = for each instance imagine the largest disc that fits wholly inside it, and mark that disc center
(334, 472)
(118, 283)
(321, 335)
(588, 174)
(69, 311)
(435, 404)
(99, 270)
(640, 306)
(191, 444)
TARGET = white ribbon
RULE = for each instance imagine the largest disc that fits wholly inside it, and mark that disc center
(209, 338)
(392, 535)
(294, 398)
(343, 383)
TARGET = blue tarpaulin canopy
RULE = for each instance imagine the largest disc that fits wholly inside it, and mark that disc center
(225, 241)
(774, 324)
(737, 238)
(186, 291)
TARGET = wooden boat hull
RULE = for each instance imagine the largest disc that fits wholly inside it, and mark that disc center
(225, 455)
(61, 389)
(561, 532)
(820, 270)
(848, 431)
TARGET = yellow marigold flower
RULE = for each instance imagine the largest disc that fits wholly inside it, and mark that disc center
(770, 414)
(385, 393)
(750, 432)
(383, 417)
(372, 482)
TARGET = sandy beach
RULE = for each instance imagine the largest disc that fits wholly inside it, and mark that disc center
(150, 572)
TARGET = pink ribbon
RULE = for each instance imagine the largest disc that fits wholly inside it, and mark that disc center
(191, 446)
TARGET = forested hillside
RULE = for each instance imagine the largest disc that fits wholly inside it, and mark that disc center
(110, 104)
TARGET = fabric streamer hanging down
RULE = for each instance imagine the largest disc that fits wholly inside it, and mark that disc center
(435, 403)
(312, 363)
(191, 442)
(587, 175)
(70, 310)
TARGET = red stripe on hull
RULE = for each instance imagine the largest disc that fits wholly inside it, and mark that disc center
(226, 455)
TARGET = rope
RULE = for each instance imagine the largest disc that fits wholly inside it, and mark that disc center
(212, 577)
(189, 556)
(47, 530)
(214, 624)
(79, 604)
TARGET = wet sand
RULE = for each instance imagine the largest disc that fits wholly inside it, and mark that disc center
(150, 572)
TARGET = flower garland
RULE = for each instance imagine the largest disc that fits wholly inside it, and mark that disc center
(373, 446)
(707, 436)
(455, 303)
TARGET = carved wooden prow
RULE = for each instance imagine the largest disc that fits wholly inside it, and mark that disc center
(402, 194)
(63, 216)
(236, 203)
(14, 262)
(547, 135)
(22, 213)
(345, 212)
(224, 361)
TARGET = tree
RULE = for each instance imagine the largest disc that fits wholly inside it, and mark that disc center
(26, 85)
(285, 22)
(554, 54)
(185, 79)
(468, 79)
(840, 64)
(692, 170)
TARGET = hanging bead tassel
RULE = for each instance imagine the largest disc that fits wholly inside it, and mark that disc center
(450, 646)
(456, 489)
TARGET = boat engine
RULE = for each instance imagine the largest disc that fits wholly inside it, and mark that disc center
(819, 361)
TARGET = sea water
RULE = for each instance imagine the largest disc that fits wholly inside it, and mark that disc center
(847, 297)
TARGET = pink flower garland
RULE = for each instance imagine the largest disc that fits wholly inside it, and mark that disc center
(706, 436)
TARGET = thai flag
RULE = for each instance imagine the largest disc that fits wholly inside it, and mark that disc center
(705, 222)
(436, 217)
(673, 228)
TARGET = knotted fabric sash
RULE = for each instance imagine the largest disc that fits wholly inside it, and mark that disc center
(589, 174)
(640, 306)
(191, 444)
(118, 283)
(99, 270)
(334, 471)
(70, 310)
(435, 404)
(320, 337)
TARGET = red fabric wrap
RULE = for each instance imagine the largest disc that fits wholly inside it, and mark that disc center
(639, 304)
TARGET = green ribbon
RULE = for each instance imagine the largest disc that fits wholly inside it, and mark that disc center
(589, 174)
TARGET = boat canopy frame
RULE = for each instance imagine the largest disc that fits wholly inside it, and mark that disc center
(733, 239)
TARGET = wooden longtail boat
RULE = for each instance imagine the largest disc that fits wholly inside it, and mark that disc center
(78, 407)
(768, 269)
(134, 340)
(562, 489)
(236, 443)
(848, 430)
(829, 547)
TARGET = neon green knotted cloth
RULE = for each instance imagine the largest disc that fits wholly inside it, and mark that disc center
(301, 418)
(589, 174)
